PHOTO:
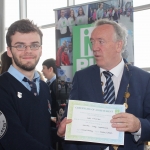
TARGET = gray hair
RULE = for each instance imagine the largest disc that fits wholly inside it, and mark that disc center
(121, 33)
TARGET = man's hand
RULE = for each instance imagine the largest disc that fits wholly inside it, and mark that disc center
(126, 122)
(62, 127)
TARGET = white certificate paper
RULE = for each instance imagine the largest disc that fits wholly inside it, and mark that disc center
(91, 122)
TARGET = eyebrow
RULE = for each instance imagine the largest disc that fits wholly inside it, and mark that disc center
(98, 39)
(36, 42)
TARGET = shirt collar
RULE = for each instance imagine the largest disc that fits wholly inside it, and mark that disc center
(19, 76)
(116, 70)
(52, 79)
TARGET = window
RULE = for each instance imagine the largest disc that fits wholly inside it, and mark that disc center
(48, 46)
(11, 11)
(82, 1)
(141, 38)
(140, 2)
(41, 11)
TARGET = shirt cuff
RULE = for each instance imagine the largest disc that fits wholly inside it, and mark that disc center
(137, 135)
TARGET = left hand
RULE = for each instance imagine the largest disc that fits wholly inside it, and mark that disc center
(62, 127)
(125, 122)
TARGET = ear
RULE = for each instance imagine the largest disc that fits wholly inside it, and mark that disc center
(119, 46)
(51, 69)
(9, 53)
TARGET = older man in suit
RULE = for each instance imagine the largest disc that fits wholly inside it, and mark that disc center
(131, 87)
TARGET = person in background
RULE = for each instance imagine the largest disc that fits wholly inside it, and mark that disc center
(62, 23)
(81, 18)
(106, 13)
(90, 15)
(59, 89)
(70, 86)
(70, 54)
(5, 62)
(100, 12)
(64, 57)
(110, 13)
(115, 15)
(66, 87)
(59, 53)
(25, 100)
(94, 15)
(49, 71)
(130, 87)
(71, 21)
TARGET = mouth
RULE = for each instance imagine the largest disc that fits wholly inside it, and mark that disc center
(98, 57)
(28, 57)
(96, 54)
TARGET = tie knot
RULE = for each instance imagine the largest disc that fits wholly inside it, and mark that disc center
(27, 80)
(48, 83)
(107, 74)
(32, 85)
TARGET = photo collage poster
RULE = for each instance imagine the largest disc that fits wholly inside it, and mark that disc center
(73, 28)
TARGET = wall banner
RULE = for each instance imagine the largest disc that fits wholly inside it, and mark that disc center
(74, 25)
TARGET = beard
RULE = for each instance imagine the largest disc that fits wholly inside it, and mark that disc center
(25, 67)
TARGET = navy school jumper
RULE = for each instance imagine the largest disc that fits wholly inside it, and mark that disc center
(28, 118)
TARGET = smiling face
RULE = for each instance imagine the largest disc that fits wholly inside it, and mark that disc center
(106, 49)
(25, 60)
(62, 13)
(101, 6)
(65, 50)
(71, 13)
(80, 11)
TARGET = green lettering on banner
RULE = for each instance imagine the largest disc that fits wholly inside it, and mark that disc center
(82, 49)
(87, 42)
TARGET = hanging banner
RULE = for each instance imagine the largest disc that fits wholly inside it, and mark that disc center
(74, 25)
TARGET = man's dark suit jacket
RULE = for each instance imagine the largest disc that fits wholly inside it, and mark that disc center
(87, 87)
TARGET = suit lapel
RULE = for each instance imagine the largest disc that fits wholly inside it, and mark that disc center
(96, 84)
(123, 85)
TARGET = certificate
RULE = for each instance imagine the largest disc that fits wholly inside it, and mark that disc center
(91, 122)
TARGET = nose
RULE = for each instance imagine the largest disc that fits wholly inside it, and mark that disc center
(95, 46)
(27, 48)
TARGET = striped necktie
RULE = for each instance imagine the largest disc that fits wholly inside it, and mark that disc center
(109, 91)
(32, 85)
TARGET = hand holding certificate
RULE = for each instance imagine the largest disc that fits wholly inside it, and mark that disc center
(91, 122)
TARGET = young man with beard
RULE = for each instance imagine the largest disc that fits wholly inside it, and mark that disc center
(25, 100)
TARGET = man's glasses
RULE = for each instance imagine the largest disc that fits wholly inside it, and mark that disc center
(22, 47)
